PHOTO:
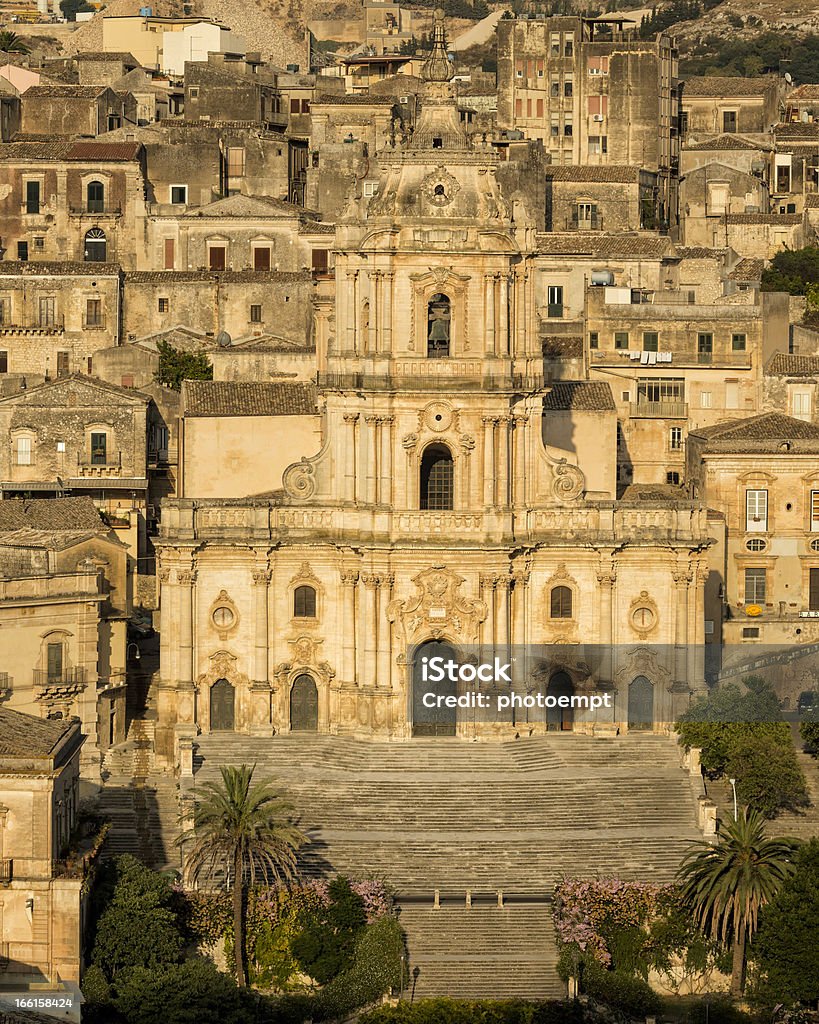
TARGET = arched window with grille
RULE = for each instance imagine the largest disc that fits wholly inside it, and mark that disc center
(439, 317)
(95, 197)
(304, 602)
(437, 478)
(561, 603)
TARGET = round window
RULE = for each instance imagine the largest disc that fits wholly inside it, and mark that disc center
(814, 545)
(643, 618)
(223, 617)
(756, 544)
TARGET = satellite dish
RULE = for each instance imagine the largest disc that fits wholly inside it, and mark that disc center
(223, 339)
(788, 78)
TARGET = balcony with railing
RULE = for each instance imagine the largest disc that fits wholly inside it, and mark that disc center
(592, 222)
(95, 209)
(6, 683)
(6, 870)
(99, 463)
(51, 324)
(45, 678)
(94, 322)
(671, 410)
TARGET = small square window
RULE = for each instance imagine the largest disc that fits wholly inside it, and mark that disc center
(255, 314)
(61, 446)
(705, 400)
(621, 339)
(651, 341)
(672, 477)
(39, 242)
(594, 339)
(163, 305)
(179, 195)
(738, 342)
(194, 92)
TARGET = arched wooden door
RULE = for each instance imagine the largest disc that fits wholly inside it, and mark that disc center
(560, 719)
(304, 704)
(222, 706)
(640, 704)
(432, 721)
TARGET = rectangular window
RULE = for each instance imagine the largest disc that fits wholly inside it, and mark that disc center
(621, 339)
(217, 257)
(568, 127)
(255, 314)
(732, 394)
(675, 439)
(650, 341)
(179, 195)
(370, 189)
(738, 342)
(23, 451)
(261, 257)
(5, 311)
(518, 107)
(755, 585)
(814, 511)
(568, 46)
(539, 108)
(22, 251)
(568, 87)
(554, 298)
(750, 632)
(236, 162)
(554, 86)
(729, 120)
(32, 197)
(320, 261)
(705, 399)
(554, 127)
(163, 305)
(598, 144)
(62, 364)
(756, 510)
(305, 106)
(598, 106)
(528, 108)
(45, 311)
(594, 339)
(170, 253)
(554, 44)
(39, 242)
(54, 664)
(598, 65)
(4, 362)
(813, 590)
(99, 449)
(672, 477)
(705, 348)
(93, 312)
(295, 105)
(800, 402)
(660, 389)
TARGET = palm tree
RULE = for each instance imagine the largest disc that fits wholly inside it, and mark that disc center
(726, 885)
(10, 42)
(247, 829)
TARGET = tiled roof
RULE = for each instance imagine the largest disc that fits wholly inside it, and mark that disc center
(748, 269)
(27, 150)
(250, 206)
(714, 85)
(316, 228)
(809, 91)
(783, 364)
(769, 432)
(589, 395)
(654, 492)
(104, 151)
(227, 276)
(245, 398)
(51, 268)
(725, 142)
(48, 393)
(26, 735)
(783, 219)
(101, 55)
(614, 173)
(65, 92)
(699, 252)
(50, 514)
(812, 201)
(350, 99)
(566, 346)
(578, 243)
(797, 130)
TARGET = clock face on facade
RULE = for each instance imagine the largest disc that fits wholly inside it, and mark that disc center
(643, 618)
(223, 617)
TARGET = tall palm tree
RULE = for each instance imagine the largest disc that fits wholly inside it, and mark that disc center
(248, 831)
(726, 885)
(10, 42)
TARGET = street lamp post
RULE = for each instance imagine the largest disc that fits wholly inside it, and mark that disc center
(136, 651)
(734, 791)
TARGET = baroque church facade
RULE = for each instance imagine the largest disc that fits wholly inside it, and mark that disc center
(456, 497)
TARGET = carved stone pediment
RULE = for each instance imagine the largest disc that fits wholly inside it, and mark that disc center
(642, 661)
(223, 665)
(438, 608)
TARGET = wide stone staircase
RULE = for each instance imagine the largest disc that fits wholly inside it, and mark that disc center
(478, 818)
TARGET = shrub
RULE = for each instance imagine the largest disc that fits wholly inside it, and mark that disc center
(194, 992)
(719, 1010)
(326, 944)
(768, 775)
(809, 732)
(176, 366)
(631, 996)
(457, 1011)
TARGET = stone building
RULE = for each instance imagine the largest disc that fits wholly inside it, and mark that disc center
(714, 105)
(71, 110)
(65, 594)
(594, 94)
(232, 92)
(709, 194)
(453, 498)
(54, 318)
(74, 201)
(96, 67)
(42, 902)
(600, 198)
(791, 386)
(795, 177)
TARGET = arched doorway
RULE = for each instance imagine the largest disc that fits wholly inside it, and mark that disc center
(432, 721)
(222, 706)
(560, 719)
(96, 246)
(640, 704)
(304, 704)
(437, 478)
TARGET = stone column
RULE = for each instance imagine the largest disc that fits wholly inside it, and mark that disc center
(681, 582)
(185, 690)
(166, 617)
(502, 623)
(350, 439)
(384, 596)
(489, 290)
(503, 461)
(348, 586)
(350, 313)
(488, 584)
(371, 471)
(503, 341)
(489, 461)
(698, 681)
(260, 724)
(370, 667)
(372, 329)
(385, 467)
(358, 342)
(519, 482)
(605, 579)
(521, 584)
(387, 312)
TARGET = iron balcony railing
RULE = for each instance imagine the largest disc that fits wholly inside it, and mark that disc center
(100, 459)
(61, 677)
(659, 410)
(6, 874)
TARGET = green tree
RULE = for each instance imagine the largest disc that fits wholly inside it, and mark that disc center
(809, 731)
(138, 926)
(194, 992)
(71, 7)
(176, 366)
(725, 886)
(247, 830)
(325, 946)
(10, 42)
(786, 948)
(792, 271)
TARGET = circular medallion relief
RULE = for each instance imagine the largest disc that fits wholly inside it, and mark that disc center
(438, 416)
(223, 617)
(643, 618)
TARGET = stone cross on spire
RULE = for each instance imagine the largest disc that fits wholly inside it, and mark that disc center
(437, 67)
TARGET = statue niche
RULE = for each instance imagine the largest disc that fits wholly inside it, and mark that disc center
(439, 317)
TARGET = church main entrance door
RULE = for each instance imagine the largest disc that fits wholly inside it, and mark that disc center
(304, 705)
(640, 704)
(222, 706)
(560, 719)
(432, 721)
